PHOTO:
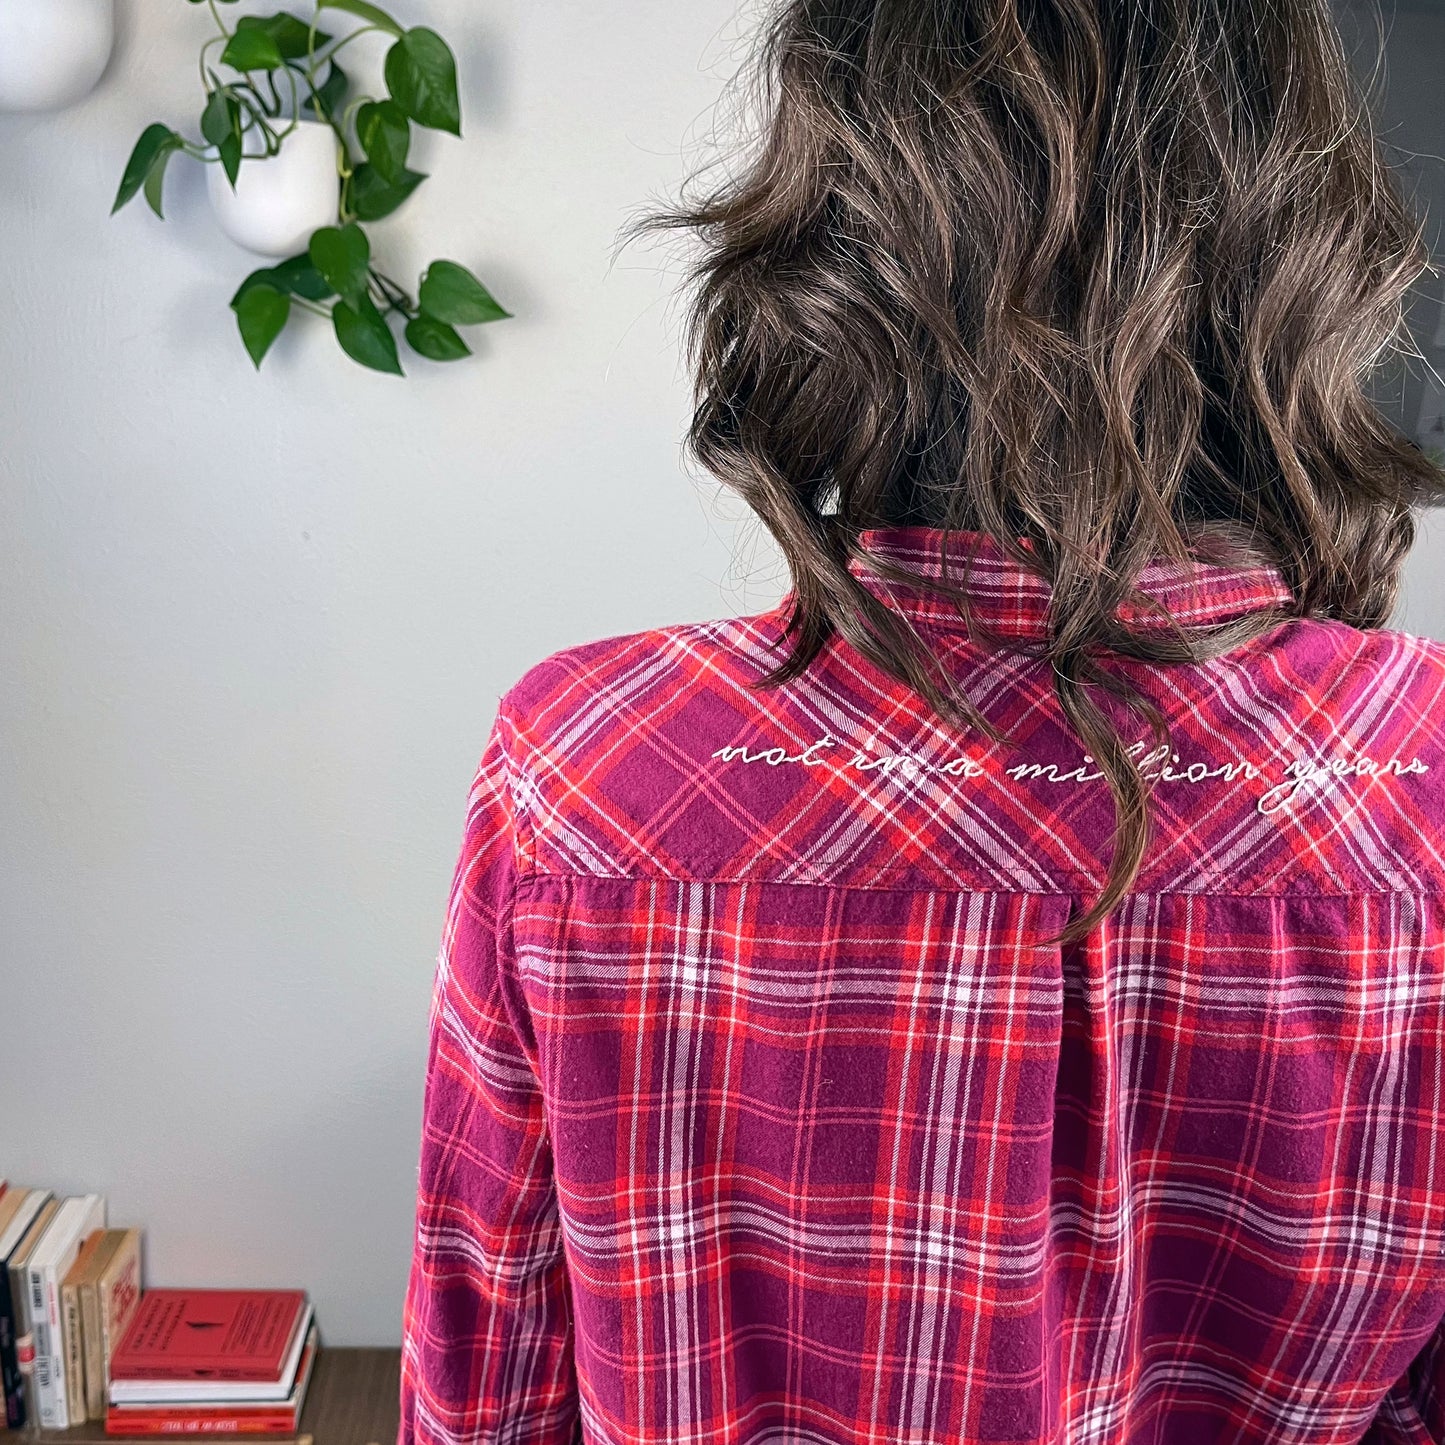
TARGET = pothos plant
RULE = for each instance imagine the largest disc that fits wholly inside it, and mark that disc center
(283, 68)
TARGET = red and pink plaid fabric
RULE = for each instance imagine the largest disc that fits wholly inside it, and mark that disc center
(754, 1113)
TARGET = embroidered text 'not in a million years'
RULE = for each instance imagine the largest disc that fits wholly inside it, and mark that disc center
(1285, 779)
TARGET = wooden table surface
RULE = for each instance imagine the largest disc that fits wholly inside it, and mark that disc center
(353, 1400)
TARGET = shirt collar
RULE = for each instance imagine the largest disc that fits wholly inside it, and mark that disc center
(1012, 601)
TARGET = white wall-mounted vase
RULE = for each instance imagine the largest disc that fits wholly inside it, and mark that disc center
(52, 52)
(279, 200)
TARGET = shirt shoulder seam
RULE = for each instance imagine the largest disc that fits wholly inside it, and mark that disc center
(540, 875)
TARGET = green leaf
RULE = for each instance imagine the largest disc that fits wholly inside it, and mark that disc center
(385, 136)
(230, 150)
(369, 13)
(297, 275)
(221, 117)
(252, 49)
(371, 196)
(341, 254)
(292, 36)
(421, 75)
(261, 312)
(155, 181)
(329, 94)
(451, 293)
(435, 339)
(156, 141)
(364, 335)
(264, 277)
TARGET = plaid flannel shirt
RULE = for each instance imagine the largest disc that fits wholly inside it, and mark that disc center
(753, 1112)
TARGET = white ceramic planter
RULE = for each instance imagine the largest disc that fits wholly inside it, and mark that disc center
(278, 202)
(52, 52)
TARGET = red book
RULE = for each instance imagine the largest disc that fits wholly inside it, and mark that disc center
(209, 1334)
(283, 1418)
(152, 1425)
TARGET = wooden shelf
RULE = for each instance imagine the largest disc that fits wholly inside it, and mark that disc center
(354, 1399)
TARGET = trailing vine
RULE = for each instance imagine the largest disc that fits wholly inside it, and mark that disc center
(283, 69)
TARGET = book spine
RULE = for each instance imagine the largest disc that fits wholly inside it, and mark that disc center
(38, 1366)
(74, 1353)
(94, 1354)
(24, 1345)
(49, 1378)
(11, 1327)
(118, 1295)
(144, 1422)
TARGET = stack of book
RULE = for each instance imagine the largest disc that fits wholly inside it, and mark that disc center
(211, 1361)
(81, 1341)
(68, 1289)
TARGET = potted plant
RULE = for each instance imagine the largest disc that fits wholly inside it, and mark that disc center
(275, 208)
(52, 52)
(300, 165)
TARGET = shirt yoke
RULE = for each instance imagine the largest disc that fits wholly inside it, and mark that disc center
(1307, 761)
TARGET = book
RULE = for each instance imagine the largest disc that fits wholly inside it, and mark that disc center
(147, 1425)
(20, 1301)
(53, 1256)
(112, 1290)
(223, 1418)
(194, 1389)
(18, 1209)
(352, 1398)
(211, 1335)
(72, 1351)
(10, 1202)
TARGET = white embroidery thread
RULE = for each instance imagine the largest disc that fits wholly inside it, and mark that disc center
(1305, 772)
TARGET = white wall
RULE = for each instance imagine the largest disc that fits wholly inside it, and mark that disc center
(1410, 84)
(254, 626)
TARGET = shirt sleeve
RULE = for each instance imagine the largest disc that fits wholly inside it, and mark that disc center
(487, 1320)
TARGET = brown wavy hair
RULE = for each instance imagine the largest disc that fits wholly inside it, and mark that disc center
(1102, 278)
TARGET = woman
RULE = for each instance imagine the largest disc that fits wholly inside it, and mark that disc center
(999, 993)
